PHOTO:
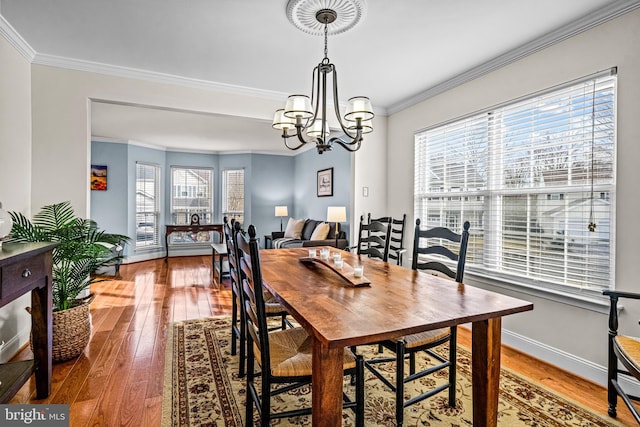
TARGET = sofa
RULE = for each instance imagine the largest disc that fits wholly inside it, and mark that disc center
(302, 233)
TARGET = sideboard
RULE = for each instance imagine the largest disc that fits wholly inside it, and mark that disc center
(195, 228)
(26, 267)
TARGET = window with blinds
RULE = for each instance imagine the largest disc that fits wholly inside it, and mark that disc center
(147, 205)
(233, 194)
(536, 180)
(191, 193)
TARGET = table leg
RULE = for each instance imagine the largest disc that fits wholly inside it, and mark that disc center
(41, 335)
(328, 372)
(485, 359)
(166, 245)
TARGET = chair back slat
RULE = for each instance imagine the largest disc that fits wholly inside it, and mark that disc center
(373, 238)
(440, 234)
(254, 306)
(396, 237)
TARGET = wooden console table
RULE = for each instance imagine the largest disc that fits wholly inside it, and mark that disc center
(26, 267)
(170, 228)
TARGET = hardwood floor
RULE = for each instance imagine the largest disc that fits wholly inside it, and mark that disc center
(119, 378)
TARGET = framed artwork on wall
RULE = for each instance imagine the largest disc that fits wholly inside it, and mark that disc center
(325, 182)
(98, 177)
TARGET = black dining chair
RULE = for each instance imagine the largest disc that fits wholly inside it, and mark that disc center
(396, 238)
(429, 243)
(622, 350)
(283, 356)
(373, 239)
(237, 316)
(273, 307)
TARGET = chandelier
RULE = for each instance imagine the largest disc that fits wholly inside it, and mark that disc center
(308, 115)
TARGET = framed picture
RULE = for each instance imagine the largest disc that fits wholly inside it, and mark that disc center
(325, 182)
(98, 177)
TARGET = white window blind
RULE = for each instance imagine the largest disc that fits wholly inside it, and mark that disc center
(530, 176)
(147, 205)
(233, 194)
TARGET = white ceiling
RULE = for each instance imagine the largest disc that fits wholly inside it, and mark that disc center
(402, 51)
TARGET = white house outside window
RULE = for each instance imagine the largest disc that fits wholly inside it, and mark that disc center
(191, 193)
(530, 176)
(233, 194)
(147, 205)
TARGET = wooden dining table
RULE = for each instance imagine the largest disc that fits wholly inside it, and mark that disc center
(398, 301)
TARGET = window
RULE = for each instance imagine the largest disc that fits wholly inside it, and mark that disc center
(530, 176)
(233, 194)
(191, 193)
(147, 205)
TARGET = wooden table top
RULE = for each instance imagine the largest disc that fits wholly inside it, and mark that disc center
(400, 301)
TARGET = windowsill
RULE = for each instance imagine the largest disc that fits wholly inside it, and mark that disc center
(587, 299)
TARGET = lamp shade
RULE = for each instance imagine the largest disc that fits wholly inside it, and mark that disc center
(359, 107)
(336, 213)
(367, 126)
(298, 106)
(315, 131)
(281, 211)
(282, 122)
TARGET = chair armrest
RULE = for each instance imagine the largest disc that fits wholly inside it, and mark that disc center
(277, 234)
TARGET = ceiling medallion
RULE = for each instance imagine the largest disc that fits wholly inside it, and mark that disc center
(302, 14)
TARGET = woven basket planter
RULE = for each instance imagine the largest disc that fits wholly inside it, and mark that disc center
(71, 331)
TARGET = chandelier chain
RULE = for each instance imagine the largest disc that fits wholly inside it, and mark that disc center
(326, 49)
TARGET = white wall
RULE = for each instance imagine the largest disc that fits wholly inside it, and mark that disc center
(569, 331)
(15, 173)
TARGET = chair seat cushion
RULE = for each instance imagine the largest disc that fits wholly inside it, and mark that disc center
(272, 306)
(629, 347)
(424, 338)
(291, 353)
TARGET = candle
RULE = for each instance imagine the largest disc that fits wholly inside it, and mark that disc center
(358, 271)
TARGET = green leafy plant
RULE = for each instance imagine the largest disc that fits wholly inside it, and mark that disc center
(82, 248)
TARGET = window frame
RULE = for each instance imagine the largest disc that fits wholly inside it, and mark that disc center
(156, 213)
(224, 205)
(205, 213)
(499, 277)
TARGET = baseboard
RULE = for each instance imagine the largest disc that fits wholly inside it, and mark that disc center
(10, 348)
(566, 361)
(149, 255)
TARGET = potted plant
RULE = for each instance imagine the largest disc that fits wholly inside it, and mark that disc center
(82, 249)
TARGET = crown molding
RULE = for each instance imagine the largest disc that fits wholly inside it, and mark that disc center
(16, 40)
(152, 76)
(587, 22)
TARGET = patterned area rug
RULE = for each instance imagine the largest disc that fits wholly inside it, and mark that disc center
(201, 388)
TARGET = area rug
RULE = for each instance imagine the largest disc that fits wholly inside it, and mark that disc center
(201, 388)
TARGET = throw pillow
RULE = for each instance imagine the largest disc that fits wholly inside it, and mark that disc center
(308, 228)
(294, 228)
(321, 232)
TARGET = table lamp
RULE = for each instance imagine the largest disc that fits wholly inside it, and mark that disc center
(336, 214)
(281, 211)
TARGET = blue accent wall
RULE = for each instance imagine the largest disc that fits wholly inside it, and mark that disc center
(270, 180)
(108, 208)
(307, 203)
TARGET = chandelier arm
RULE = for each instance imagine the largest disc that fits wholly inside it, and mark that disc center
(315, 95)
(336, 103)
(349, 146)
(285, 136)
